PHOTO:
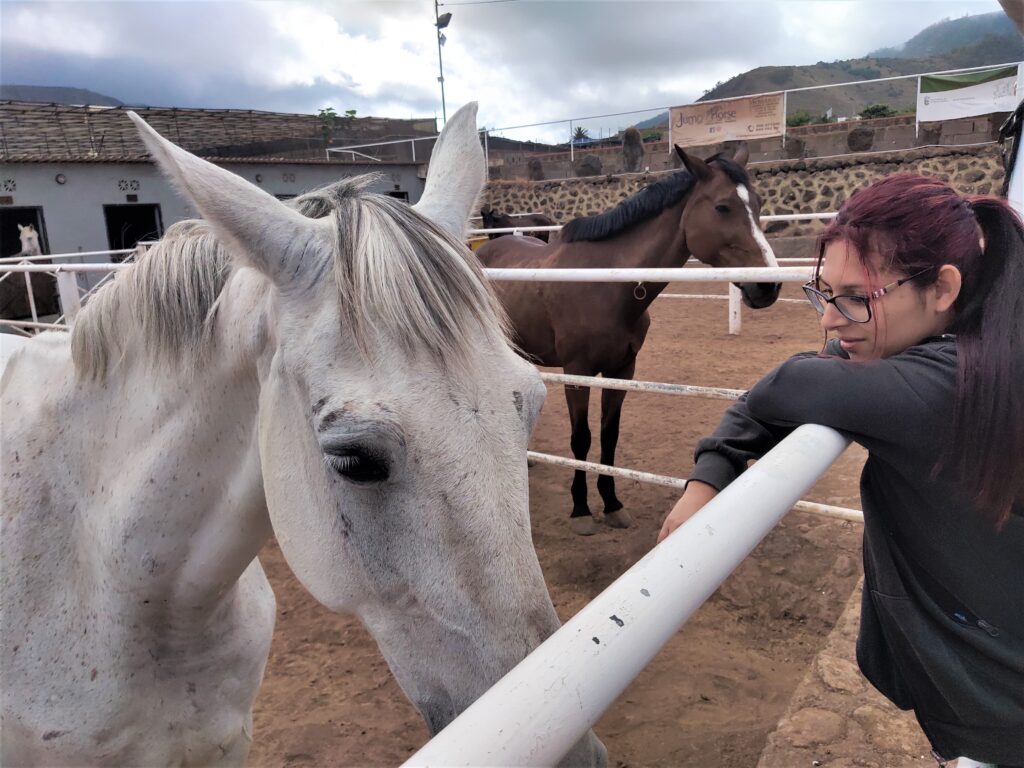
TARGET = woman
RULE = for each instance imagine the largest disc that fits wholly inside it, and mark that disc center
(924, 292)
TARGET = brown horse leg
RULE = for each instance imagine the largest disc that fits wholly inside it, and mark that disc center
(611, 411)
(578, 400)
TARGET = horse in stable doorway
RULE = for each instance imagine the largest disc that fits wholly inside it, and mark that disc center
(709, 210)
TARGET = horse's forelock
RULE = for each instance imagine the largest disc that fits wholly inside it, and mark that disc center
(736, 173)
(397, 273)
(400, 274)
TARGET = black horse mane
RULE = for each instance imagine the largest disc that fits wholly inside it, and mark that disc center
(645, 204)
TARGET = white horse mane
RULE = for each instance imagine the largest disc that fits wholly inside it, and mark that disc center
(397, 272)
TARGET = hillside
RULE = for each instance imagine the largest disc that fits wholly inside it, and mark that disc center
(56, 95)
(949, 35)
(972, 41)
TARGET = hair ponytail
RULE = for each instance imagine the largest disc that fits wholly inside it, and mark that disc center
(987, 450)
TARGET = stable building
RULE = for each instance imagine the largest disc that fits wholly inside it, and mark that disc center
(82, 176)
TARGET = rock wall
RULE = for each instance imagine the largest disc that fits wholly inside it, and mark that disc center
(785, 186)
(836, 719)
(887, 134)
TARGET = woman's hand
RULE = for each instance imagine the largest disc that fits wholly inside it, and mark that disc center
(696, 495)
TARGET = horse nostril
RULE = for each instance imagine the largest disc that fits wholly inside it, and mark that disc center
(760, 295)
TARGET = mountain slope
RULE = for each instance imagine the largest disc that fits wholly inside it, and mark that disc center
(56, 95)
(972, 41)
(950, 34)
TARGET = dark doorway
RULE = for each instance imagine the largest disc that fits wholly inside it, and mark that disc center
(128, 224)
(14, 304)
(10, 218)
(399, 194)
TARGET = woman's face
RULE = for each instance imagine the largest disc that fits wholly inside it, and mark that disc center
(900, 319)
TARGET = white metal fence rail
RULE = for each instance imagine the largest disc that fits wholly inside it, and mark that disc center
(534, 714)
(735, 313)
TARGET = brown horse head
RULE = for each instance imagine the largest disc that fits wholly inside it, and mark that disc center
(493, 219)
(721, 221)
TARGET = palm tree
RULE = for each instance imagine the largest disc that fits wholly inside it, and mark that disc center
(580, 133)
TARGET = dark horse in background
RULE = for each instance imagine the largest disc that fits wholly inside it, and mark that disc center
(710, 211)
(492, 219)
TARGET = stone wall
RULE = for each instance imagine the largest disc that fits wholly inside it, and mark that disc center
(785, 186)
(804, 142)
(836, 719)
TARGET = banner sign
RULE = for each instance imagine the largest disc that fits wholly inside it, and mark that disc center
(947, 97)
(754, 117)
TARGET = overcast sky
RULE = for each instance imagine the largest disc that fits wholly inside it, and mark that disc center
(525, 61)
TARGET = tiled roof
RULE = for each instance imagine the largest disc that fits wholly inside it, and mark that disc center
(112, 158)
(33, 132)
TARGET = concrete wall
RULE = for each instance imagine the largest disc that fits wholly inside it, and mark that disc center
(73, 211)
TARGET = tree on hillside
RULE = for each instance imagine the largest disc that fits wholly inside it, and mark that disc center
(580, 133)
(877, 110)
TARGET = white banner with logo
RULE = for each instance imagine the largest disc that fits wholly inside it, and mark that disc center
(948, 97)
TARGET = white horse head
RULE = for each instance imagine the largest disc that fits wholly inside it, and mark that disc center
(344, 383)
(29, 241)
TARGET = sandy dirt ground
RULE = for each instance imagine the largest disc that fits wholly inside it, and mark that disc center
(717, 689)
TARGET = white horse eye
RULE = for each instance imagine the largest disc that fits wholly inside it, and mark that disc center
(359, 465)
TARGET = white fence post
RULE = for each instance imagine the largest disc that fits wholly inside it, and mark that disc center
(70, 299)
(735, 310)
(533, 715)
(31, 297)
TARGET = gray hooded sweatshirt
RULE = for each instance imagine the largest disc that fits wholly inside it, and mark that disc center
(942, 618)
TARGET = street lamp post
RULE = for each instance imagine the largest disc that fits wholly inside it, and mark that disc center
(441, 21)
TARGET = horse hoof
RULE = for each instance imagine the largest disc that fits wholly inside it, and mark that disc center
(619, 519)
(583, 526)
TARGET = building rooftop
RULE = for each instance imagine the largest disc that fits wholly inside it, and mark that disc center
(34, 132)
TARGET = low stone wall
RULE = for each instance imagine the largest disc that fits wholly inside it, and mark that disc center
(803, 142)
(836, 719)
(785, 186)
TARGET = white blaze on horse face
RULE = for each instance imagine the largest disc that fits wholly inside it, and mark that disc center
(755, 230)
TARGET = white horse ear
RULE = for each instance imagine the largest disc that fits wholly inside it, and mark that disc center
(456, 174)
(254, 224)
(21, 228)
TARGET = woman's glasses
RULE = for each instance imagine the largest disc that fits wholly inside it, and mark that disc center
(855, 308)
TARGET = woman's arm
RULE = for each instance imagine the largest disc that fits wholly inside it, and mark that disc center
(895, 404)
(719, 459)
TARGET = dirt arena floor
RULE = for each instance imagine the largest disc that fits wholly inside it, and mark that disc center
(713, 694)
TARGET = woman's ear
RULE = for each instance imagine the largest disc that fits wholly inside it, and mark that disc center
(947, 287)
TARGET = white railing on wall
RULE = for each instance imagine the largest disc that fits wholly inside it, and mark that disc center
(566, 125)
(533, 715)
(71, 294)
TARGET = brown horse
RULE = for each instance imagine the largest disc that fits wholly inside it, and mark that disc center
(494, 220)
(710, 211)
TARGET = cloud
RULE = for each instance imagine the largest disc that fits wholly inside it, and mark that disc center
(525, 61)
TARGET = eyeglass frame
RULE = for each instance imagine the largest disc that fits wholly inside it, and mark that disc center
(813, 292)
